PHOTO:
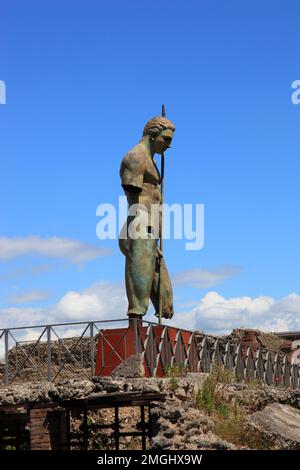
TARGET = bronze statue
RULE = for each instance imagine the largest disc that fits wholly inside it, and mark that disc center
(146, 274)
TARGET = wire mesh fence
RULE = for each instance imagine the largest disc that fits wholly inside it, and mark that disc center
(68, 350)
(50, 352)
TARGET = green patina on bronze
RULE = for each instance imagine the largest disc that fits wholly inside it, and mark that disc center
(146, 275)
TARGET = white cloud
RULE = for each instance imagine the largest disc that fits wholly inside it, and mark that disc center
(54, 247)
(212, 314)
(101, 301)
(217, 315)
(24, 316)
(30, 296)
(203, 279)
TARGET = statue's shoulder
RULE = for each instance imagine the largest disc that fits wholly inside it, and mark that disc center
(134, 157)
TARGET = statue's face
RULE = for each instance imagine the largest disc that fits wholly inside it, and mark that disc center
(163, 141)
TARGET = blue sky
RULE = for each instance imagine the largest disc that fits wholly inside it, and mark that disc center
(82, 79)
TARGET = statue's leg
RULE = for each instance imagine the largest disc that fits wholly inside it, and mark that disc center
(167, 291)
(140, 268)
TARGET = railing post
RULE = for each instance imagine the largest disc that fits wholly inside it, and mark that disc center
(92, 349)
(151, 350)
(6, 357)
(136, 339)
(49, 353)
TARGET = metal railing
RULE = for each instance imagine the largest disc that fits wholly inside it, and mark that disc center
(68, 350)
(50, 352)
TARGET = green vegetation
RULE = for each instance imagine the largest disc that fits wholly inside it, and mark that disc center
(229, 417)
(177, 370)
(173, 372)
(208, 398)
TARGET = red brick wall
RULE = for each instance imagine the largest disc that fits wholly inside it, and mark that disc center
(39, 433)
(47, 429)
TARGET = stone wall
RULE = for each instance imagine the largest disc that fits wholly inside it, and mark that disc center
(177, 422)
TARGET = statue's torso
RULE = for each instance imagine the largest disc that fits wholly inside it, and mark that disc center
(139, 169)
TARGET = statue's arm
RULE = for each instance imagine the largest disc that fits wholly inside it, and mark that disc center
(132, 173)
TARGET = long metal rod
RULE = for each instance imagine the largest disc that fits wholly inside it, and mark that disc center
(92, 347)
(80, 323)
(117, 429)
(6, 357)
(85, 430)
(143, 425)
(66, 324)
(162, 183)
(68, 426)
(49, 353)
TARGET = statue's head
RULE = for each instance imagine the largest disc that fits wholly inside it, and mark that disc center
(160, 131)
